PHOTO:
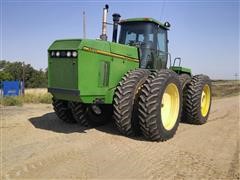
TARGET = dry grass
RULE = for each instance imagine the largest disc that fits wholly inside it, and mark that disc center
(36, 91)
(31, 96)
(224, 88)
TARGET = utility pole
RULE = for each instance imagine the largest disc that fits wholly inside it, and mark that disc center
(236, 76)
(84, 25)
(23, 79)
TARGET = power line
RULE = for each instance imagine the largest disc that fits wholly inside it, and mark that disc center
(84, 25)
(162, 10)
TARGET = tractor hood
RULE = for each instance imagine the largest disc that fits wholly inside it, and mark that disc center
(96, 46)
(66, 44)
(88, 70)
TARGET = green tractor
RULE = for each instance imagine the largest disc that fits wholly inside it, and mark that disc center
(132, 82)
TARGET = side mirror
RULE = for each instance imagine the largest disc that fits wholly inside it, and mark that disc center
(167, 24)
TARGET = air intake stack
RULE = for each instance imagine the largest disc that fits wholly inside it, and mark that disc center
(103, 36)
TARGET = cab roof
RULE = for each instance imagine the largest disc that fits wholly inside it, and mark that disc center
(143, 20)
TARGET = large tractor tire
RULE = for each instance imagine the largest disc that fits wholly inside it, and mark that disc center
(63, 110)
(185, 79)
(160, 105)
(198, 100)
(79, 111)
(125, 101)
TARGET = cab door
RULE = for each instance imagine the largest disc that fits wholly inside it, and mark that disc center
(162, 50)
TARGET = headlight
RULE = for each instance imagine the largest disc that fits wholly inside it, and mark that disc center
(52, 53)
(63, 54)
(57, 53)
(69, 54)
(74, 54)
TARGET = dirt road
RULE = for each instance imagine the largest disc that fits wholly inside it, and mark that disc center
(35, 144)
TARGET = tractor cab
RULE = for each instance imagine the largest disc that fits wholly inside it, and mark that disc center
(150, 36)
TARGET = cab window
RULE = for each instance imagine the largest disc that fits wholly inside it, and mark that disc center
(162, 40)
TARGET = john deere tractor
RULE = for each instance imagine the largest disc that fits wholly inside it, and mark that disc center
(132, 81)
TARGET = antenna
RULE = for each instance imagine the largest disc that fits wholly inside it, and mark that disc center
(84, 25)
(162, 10)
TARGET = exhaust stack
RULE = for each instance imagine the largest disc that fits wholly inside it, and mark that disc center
(103, 36)
(116, 18)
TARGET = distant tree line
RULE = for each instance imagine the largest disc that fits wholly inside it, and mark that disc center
(18, 70)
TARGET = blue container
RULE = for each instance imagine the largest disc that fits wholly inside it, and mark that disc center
(10, 88)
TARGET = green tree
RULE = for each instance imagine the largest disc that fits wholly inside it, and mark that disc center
(15, 70)
(5, 76)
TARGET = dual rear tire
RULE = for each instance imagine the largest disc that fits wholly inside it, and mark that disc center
(125, 101)
(149, 103)
(154, 103)
(197, 100)
(160, 105)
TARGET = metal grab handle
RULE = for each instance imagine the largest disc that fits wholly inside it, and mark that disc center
(177, 58)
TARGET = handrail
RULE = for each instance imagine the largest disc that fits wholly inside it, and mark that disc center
(177, 58)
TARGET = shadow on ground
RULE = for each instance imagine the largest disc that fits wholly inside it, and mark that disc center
(51, 122)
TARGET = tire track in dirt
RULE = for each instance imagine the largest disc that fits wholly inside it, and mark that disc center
(45, 162)
(233, 171)
(182, 164)
(56, 150)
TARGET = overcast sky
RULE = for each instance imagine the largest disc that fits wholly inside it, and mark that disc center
(205, 34)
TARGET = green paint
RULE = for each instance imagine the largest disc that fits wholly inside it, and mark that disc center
(94, 75)
(181, 70)
(144, 20)
(104, 73)
(66, 44)
(121, 49)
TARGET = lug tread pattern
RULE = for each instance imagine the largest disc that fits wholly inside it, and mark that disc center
(148, 105)
(124, 101)
(185, 79)
(193, 100)
(62, 111)
(79, 111)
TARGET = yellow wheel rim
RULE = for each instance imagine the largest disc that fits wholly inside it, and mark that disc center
(205, 100)
(170, 106)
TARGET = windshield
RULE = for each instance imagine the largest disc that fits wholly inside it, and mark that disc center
(136, 33)
(151, 41)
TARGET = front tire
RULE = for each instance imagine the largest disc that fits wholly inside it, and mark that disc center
(198, 100)
(79, 111)
(63, 110)
(160, 105)
(125, 101)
